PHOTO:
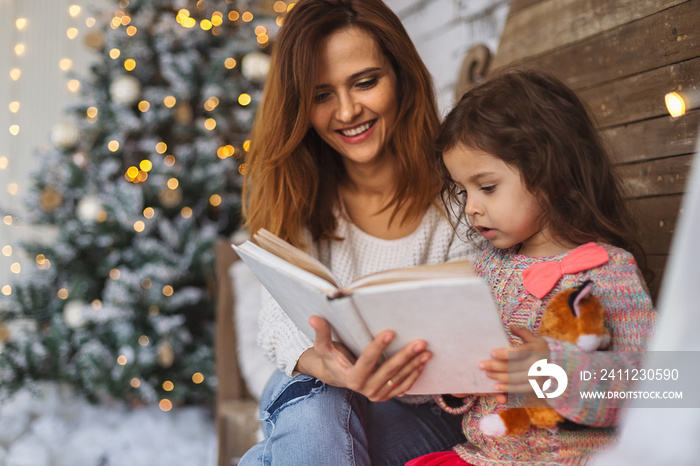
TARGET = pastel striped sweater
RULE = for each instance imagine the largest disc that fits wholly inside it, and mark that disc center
(630, 317)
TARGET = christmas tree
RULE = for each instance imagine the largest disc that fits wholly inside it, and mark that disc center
(138, 185)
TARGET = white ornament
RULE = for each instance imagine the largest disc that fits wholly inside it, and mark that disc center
(74, 313)
(88, 208)
(65, 135)
(125, 90)
(255, 66)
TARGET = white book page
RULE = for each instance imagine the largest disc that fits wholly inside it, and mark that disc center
(294, 255)
(255, 252)
(456, 317)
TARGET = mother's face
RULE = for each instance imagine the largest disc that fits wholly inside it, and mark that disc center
(355, 102)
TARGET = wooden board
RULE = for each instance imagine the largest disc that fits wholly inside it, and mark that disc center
(640, 96)
(550, 24)
(666, 37)
(654, 138)
(656, 178)
(657, 219)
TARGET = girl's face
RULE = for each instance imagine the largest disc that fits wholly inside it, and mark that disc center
(497, 203)
(355, 102)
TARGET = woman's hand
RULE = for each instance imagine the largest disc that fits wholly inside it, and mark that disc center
(510, 366)
(333, 364)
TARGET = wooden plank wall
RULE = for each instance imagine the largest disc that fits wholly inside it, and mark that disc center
(622, 57)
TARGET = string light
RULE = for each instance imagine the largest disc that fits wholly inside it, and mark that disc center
(165, 405)
(244, 99)
(280, 7)
(65, 64)
(73, 85)
(168, 290)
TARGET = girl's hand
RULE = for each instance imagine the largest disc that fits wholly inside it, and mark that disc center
(510, 366)
(332, 363)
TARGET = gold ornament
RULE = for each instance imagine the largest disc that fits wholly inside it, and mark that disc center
(183, 114)
(50, 199)
(95, 40)
(166, 355)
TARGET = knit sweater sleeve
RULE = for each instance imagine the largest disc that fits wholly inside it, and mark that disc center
(630, 317)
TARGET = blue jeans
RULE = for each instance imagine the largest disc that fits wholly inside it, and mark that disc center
(306, 422)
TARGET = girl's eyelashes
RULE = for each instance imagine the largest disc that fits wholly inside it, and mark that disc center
(488, 189)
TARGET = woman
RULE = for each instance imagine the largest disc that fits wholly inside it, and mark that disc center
(341, 165)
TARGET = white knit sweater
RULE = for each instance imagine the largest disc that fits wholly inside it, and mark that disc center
(359, 254)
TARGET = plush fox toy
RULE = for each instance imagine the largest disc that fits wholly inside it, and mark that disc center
(573, 315)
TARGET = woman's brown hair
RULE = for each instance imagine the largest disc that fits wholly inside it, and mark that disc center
(534, 122)
(293, 175)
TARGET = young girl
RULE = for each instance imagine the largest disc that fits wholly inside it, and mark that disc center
(535, 181)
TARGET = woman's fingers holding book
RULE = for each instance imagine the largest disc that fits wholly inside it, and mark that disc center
(323, 340)
(397, 374)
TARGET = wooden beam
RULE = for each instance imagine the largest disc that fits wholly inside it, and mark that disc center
(658, 177)
(657, 217)
(551, 24)
(666, 37)
(641, 96)
(655, 138)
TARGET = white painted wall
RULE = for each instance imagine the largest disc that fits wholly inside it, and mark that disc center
(444, 30)
(42, 93)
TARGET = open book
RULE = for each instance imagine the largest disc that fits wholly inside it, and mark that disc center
(446, 305)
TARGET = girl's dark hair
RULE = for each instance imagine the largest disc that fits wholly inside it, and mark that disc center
(535, 123)
(293, 175)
